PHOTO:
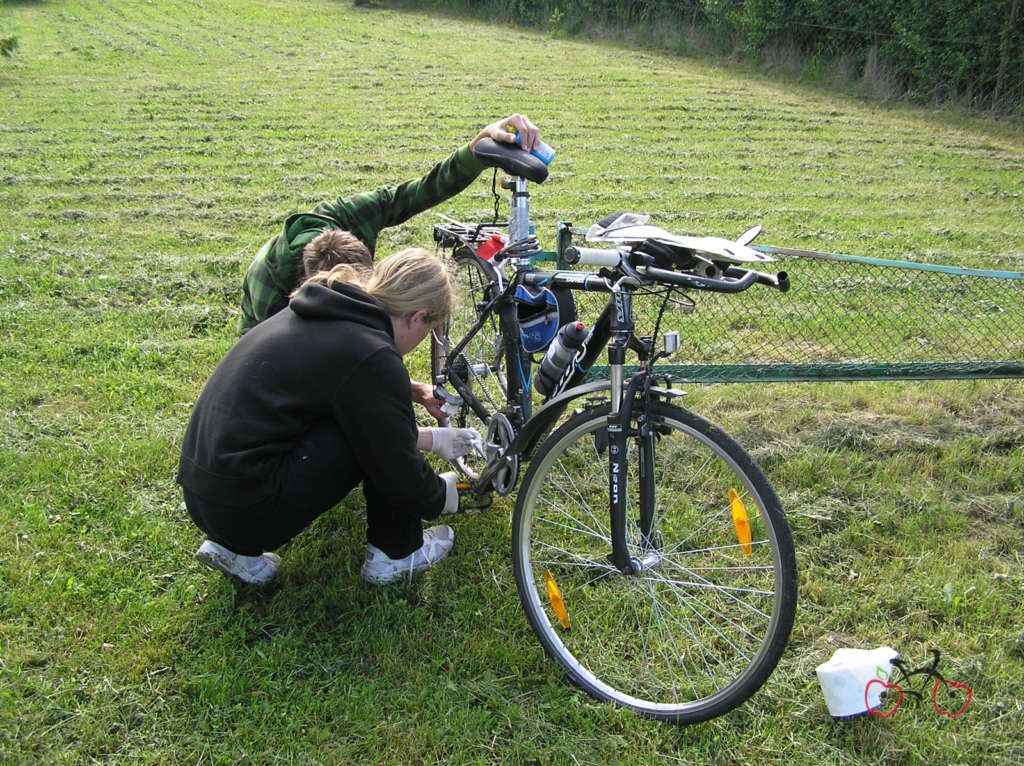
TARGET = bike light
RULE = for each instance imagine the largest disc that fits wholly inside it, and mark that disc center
(555, 597)
(740, 521)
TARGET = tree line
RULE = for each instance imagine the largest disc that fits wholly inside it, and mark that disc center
(929, 51)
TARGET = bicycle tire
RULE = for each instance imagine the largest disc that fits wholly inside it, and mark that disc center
(701, 626)
(481, 362)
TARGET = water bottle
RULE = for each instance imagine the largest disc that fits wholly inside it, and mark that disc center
(561, 353)
(490, 246)
(541, 151)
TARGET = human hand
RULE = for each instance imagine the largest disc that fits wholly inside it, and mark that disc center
(529, 134)
(451, 493)
(424, 394)
(459, 496)
(452, 443)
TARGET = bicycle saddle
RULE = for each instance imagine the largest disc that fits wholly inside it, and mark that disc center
(511, 159)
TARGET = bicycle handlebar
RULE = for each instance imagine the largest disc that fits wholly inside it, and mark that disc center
(592, 256)
(737, 285)
(736, 279)
(779, 281)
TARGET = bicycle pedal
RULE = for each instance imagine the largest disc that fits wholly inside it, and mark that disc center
(470, 500)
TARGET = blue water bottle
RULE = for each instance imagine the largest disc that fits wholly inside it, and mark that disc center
(541, 151)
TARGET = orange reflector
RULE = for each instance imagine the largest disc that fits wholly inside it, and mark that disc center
(740, 521)
(555, 597)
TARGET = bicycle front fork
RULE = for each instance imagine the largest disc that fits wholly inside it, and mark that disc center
(624, 429)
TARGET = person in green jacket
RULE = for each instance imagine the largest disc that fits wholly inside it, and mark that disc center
(277, 268)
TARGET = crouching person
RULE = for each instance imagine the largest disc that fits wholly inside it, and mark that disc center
(311, 403)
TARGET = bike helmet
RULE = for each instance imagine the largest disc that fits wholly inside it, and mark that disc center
(541, 312)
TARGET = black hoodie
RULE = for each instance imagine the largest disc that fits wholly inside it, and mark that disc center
(330, 355)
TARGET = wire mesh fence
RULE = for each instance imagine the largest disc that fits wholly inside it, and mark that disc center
(848, 318)
(844, 318)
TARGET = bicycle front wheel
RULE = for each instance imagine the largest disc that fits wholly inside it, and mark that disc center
(700, 621)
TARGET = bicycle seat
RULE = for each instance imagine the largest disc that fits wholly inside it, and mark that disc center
(511, 159)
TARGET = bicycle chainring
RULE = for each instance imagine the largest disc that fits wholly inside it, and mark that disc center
(499, 436)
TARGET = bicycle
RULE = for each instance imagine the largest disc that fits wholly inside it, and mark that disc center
(650, 553)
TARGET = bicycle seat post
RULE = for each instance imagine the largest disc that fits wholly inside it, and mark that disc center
(519, 222)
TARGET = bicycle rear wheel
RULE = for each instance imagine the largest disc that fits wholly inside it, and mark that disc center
(702, 621)
(479, 367)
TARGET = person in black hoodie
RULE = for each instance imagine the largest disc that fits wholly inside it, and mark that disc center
(312, 402)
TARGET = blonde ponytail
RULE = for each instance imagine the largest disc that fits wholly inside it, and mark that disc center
(410, 280)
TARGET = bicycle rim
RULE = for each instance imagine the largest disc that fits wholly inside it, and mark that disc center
(480, 364)
(702, 623)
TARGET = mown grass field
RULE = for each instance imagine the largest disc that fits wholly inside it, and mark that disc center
(148, 148)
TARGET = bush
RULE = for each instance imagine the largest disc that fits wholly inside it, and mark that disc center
(929, 50)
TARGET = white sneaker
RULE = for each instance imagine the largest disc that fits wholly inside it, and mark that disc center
(381, 570)
(257, 570)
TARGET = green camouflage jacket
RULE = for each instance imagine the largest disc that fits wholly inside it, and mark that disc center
(273, 274)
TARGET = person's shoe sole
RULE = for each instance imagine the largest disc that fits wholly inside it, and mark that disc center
(223, 560)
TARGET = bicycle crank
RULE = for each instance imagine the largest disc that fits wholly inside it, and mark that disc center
(502, 469)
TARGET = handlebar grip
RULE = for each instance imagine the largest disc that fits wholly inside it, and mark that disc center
(702, 283)
(779, 281)
(592, 256)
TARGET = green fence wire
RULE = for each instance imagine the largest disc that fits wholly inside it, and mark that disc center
(844, 318)
(848, 318)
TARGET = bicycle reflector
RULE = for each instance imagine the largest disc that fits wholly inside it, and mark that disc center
(555, 597)
(741, 522)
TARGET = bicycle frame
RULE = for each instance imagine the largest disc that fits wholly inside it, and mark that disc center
(613, 330)
(567, 533)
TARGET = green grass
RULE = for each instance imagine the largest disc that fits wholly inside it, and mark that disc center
(147, 149)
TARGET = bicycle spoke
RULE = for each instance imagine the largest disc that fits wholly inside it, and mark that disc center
(667, 638)
(576, 528)
(476, 372)
(691, 599)
(702, 652)
(581, 502)
(684, 629)
(707, 585)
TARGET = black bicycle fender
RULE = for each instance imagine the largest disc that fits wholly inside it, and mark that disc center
(525, 442)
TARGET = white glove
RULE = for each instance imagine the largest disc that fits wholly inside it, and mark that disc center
(451, 493)
(452, 443)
